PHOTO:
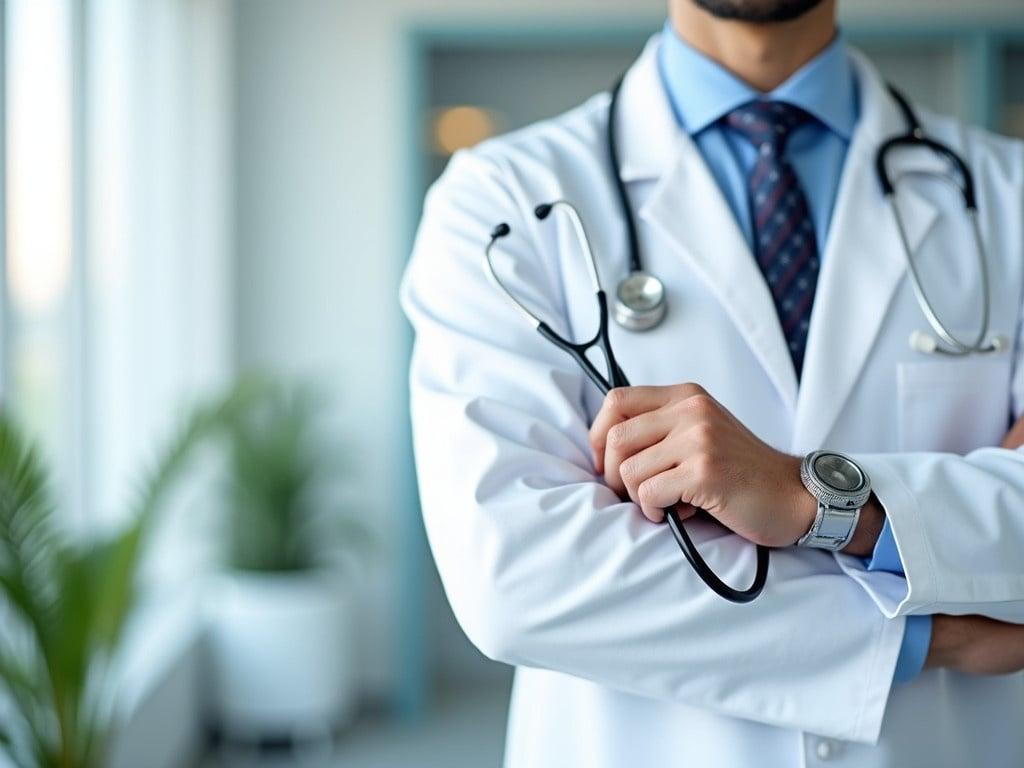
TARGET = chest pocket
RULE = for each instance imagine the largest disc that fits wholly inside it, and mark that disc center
(955, 405)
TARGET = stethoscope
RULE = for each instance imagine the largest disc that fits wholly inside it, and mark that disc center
(616, 378)
(944, 341)
(640, 301)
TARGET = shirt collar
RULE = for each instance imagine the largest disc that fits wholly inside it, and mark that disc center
(702, 91)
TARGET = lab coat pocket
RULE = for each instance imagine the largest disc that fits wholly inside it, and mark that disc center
(954, 405)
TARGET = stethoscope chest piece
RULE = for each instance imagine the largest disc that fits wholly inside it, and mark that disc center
(640, 301)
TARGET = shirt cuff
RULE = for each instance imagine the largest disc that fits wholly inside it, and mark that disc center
(917, 636)
(917, 639)
(886, 557)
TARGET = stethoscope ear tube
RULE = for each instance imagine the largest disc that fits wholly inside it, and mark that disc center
(916, 140)
(616, 378)
(944, 341)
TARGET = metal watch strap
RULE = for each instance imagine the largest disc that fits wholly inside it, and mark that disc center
(833, 543)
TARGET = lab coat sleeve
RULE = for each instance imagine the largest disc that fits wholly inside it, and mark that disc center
(958, 523)
(546, 567)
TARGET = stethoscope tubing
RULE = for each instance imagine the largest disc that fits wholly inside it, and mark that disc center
(617, 378)
(963, 181)
(633, 240)
(956, 347)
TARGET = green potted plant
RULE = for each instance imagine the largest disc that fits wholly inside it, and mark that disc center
(65, 601)
(281, 626)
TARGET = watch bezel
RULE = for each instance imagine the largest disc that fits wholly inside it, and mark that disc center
(828, 494)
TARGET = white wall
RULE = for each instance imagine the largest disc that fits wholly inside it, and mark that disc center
(321, 207)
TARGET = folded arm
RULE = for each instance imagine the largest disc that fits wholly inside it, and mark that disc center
(546, 567)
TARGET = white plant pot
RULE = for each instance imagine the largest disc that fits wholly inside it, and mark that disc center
(281, 648)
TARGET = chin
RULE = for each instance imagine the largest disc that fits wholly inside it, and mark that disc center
(761, 11)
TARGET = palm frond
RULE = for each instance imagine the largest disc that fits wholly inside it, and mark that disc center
(28, 537)
(117, 561)
(74, 600)
(21, 678)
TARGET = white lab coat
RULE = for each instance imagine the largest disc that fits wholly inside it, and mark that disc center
(624, 657)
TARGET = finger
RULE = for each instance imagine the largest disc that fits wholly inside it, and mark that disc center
(624, 403)
(662, 491)
(628, 438)
(620, 404)
(636, 468)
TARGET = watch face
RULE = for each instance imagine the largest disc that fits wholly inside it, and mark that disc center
(838, 472)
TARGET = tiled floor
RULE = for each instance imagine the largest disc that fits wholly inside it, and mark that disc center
(463, 729)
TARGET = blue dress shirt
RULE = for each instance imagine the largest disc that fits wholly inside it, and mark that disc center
(702, 93)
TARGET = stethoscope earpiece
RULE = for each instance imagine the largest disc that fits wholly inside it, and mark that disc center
(923, 342)
(927, 344)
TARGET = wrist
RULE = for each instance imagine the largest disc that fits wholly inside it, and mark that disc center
(869, 528)
(945, 643)
(804, 507)
(958, 642)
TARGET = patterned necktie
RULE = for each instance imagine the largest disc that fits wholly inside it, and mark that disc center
(785, 244)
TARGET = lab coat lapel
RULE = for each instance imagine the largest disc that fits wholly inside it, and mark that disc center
(862, 266)
(687, 209)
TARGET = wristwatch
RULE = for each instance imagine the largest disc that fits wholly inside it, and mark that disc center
(841, 488)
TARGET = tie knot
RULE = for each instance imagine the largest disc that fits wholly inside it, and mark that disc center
(767, 124)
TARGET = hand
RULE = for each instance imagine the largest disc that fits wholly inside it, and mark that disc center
(677, 445)
(1015, 437)
(976, 645)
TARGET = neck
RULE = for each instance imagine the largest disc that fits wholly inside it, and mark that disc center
(763, 55)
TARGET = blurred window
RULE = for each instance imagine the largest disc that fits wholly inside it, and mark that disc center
(38, 196)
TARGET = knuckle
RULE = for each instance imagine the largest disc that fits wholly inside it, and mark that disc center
(618, 435)
(617, 398)
(646, 492)
(702, 403)
(705, 434)
(690, 389)
(703, 466)
(629, 470)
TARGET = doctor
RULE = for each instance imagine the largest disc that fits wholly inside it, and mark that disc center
(538, 494)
